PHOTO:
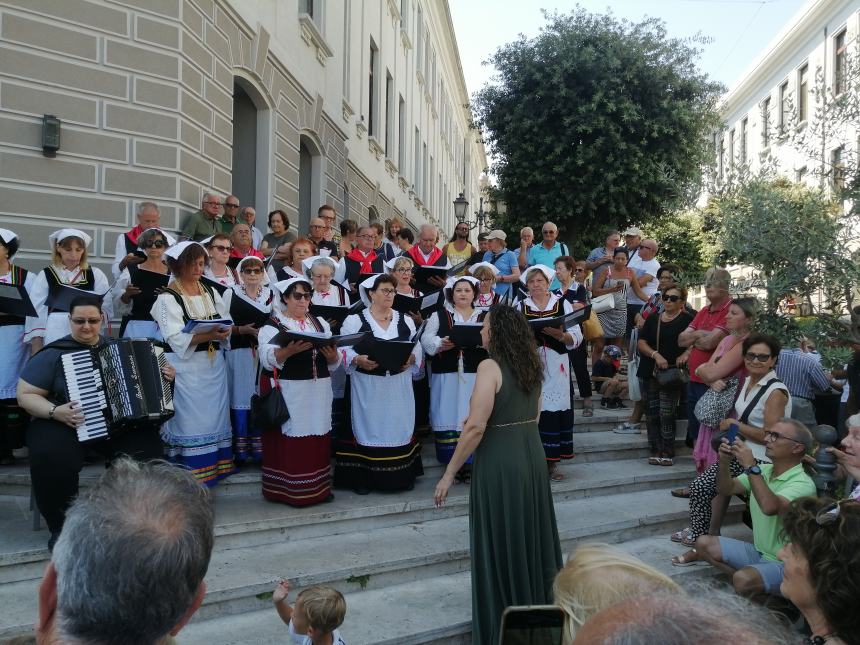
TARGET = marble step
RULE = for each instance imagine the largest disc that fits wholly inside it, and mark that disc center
(444, 620)
(250, 520)
(240, 579)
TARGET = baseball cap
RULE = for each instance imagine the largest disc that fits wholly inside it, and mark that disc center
(496, 234)
(633, 230)
(612, 351)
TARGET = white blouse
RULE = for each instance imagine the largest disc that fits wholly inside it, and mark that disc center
(353, 324)
(575, 332)
(268, 332)
(168, 314)
(430, 339)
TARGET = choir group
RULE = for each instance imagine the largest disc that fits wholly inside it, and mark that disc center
(352, 343)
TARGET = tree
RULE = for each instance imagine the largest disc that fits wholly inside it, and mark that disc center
(688, 239)
(596, 122)
(799, 247)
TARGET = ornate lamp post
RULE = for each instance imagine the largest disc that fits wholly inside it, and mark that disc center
(461, 208)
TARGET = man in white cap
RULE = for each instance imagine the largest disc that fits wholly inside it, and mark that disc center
(632, 240)
(127, 251)
(504, 260)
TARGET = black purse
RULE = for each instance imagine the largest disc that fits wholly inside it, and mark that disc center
(671, 377)
(269, 410)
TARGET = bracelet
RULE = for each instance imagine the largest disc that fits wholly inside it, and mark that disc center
(51, 413)
(653, 354)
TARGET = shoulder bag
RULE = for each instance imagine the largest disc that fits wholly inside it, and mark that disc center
(269, 410)
(745, 415)
(671, 377)
(714, 406)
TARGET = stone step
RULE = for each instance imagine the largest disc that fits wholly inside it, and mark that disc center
(241, 579)
(447, 619)
(250, 520)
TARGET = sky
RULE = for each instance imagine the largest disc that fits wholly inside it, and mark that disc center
(739, 29)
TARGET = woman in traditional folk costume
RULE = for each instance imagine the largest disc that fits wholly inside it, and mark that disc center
(134, 291)
(198, 437)
(556, 416)
(219, 247)
(13, 420)
(297, 456)
(485, 273)
(381, 452)
(452, 368)
(69, 266)
(250, 306)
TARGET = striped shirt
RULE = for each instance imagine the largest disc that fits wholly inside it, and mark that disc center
(801, 373)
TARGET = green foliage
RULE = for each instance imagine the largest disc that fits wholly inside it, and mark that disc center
(596, 122)
(360, 580)
(686, 241)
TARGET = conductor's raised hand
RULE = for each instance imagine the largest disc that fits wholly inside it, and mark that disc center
(440, 495)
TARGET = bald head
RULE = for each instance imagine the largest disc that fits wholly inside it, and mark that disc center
(648, 248)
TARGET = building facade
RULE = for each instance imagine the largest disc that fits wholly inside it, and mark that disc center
(771, 113)
(360, 104)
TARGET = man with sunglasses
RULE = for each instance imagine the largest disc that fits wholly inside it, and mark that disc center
(204, 223)
(231, 214)
(755, 568)
(459, 248)
(548, 251)
(127, 250)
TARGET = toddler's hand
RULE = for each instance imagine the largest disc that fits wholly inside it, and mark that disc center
(281, 591)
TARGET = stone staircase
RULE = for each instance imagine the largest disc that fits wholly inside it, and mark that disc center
(402, 564)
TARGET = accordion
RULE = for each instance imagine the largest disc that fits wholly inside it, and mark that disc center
(119, 385)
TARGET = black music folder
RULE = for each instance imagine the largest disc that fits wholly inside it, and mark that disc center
(317, 339)
(423, 274)
(15, 301)
(220, 288)
(338, 313)
(391, 355)
(60, 296)
(561, 322)
(454, 270)
(150, 281)
(466, 335)
(426, 305)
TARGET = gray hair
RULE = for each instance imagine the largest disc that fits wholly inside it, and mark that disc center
(142, 206)
(428, 227)
(853, 421)
(133, 553)
(551, 224)
(323, 262)
(801, 432)
(147, 236)
(209, 194)
(706, 616)
(399, 262)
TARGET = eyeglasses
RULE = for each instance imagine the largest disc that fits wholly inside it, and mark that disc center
(220, 247)
(299, 295)
(403, 270)
(80, 322)
(670, 298)
(547, 232)
(488, 280)
(752, 357)
(252, 270)
(772, 435)
(216, 204)
(650, 248)
(231, 205)
(386, 292)
(158, 244)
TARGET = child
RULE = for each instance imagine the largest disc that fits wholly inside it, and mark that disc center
(604, 373)
(314, 620)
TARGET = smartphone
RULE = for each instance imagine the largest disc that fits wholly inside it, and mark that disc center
(532, 625)
(732, 434)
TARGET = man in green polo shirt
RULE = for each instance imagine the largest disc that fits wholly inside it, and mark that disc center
(204, 222)
(754, 568)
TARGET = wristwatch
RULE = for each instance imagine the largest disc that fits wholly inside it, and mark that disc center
(753, 470)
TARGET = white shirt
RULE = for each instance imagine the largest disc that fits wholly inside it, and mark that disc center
(336, 638)
(641, 267)
(756, 416)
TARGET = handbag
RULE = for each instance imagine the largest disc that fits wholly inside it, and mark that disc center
(633, 390)
(591, 327)
(671, 377)
(602, 303)
(714, 406)
(269, 410)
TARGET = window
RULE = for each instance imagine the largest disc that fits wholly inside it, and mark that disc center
(840, 54)
(765, 122)
(721, 157)
(419, 41)
(389, 116)
(838, 164)
(346, 201)
(784, 107)
(744, 134)
(404, 14)
(800, 175)
(307, 7)
(416, 183)
(731, 148)
(425, 176)
(803, 93)
(431, 195)
(372, 92)
(401, 136)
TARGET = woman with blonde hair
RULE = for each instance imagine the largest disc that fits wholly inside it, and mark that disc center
(597, 576)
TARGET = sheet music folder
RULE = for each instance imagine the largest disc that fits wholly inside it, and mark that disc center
(391, 355)
(15, 301)
(337, 313)
(561, 322)
(466, 335)
(60, 296)
(423, 304)
(317, 339)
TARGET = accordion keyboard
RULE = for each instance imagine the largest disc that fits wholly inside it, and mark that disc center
(84, 385)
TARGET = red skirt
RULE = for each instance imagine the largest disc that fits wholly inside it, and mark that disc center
(296, 470)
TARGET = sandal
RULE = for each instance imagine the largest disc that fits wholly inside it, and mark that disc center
(587, 409)
(666, 461)
(681, 492)
(680, 536)
(556, 475)
(653, 461)
(687, 559)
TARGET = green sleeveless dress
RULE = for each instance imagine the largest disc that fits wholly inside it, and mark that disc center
(514, 539)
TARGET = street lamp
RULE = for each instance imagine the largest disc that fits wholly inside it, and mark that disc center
(461, 208)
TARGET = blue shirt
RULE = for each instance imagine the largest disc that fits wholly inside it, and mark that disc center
(801, 373)
(505, 261)
(539, 254)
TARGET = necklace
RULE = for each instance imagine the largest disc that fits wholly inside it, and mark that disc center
(198, 313)
(384, 319)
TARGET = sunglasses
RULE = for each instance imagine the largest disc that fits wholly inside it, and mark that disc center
(252, 270)
(753, 357)
(299, 295)
(86, 321)
(547, 232)
(222, 248)
(158, 244)
(231, 205)
(772, 435)
(670, 298)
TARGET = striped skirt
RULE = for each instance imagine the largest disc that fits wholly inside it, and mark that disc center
(556, 434)
(296, 470)
(376, 467)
